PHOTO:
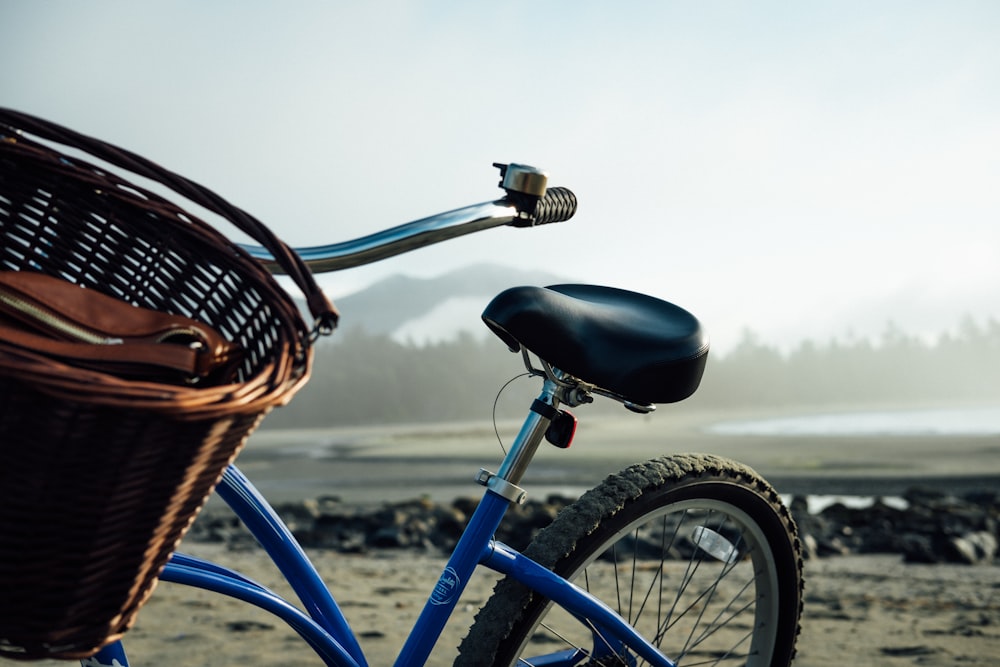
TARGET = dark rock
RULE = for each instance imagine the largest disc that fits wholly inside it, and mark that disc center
(907, 651)
(920, 549)
(935, 527)
(247, 626)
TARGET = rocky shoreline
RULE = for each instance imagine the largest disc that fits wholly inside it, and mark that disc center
(931, 526)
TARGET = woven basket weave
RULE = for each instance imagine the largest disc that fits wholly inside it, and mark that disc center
(100, 477)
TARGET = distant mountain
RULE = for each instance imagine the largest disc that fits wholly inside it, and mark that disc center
(431, 309)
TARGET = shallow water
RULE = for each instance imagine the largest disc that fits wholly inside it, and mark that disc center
(939, 421)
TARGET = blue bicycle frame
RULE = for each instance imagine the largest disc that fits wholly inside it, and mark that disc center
(322, 624)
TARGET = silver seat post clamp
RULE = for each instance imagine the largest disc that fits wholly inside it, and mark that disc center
(501, 487)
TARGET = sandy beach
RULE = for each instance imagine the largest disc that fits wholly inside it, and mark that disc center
(861, 610)
(362, 465)
(869, 611)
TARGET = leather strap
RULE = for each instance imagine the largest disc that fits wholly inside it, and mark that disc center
(137, 342)
(142, 356)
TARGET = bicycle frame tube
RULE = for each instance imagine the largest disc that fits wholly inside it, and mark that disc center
(198, 573)
(477, 536)
(476, 546)
(613, 630)
(610, 629)
(324, 626)
(451, 584)
(112, 655)
(213, 578)
(286, 553)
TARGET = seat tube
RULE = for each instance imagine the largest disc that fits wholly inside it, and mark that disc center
(476, 542)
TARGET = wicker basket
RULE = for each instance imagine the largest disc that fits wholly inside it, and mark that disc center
(100, 477)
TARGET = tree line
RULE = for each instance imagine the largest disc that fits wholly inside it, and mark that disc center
(897, 367)
(361, 378)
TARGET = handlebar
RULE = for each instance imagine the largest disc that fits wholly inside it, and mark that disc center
(557, 205)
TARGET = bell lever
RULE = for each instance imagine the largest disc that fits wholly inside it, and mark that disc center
(525, 186)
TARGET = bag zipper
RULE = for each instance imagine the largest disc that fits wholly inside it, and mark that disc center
(53, 321)
(197, 334)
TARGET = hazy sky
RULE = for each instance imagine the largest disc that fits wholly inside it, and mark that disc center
(796, 168)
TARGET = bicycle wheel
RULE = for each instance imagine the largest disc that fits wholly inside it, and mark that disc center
(695, 551)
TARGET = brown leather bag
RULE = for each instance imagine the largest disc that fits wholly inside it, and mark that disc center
(87, 329)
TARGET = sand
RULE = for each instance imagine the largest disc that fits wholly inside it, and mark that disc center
(865, 611)
(860, 610)
(363, 465)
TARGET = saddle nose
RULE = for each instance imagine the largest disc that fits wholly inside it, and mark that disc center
(642, 348)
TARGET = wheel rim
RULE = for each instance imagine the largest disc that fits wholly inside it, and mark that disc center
(715, 605)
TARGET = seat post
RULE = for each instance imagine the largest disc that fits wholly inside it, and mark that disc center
(532, 432)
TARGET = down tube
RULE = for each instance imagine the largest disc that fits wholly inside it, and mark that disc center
(289, 557)
(194, 572)
(211, 578)
(572, 598)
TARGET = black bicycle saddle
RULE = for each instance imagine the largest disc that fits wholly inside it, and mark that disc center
(642, 348)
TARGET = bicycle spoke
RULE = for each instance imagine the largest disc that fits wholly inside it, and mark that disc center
(713, 627)
(685, 580)
(565, 640)
(709, 593)
(707, 537)
(700, 631)
(606, 643)
(618, 593)
(658, 577)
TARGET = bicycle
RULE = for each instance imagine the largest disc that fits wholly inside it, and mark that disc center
(682, 560)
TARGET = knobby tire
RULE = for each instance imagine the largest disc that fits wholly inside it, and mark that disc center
(695, 551)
